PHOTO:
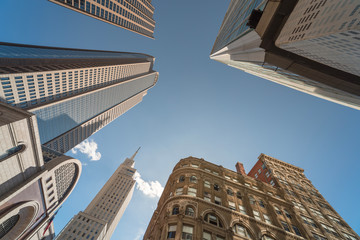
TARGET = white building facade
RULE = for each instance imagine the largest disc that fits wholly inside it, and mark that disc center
(102, 215)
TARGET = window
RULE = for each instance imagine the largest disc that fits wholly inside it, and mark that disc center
(267, 174)
(189, 211)
(349, 237)
(277, 210)
(256, 215)
(207, 196)
(242, 209)
(175, 210)
(285, 226)
(317, 213)
(192, 191)
(256, 176)
(287, 214)
(213, 219)
(187, 232)
(194, 165)
(193, 179)
(241, 231)
(238, 195)
(318, 237)
(227, 177)
(252, 200)
(217, 200)
(171, 232)
(261, 203)
(179, 191)
(259, 170)
(208, 170)
(216, 187)
(207, 184)
(309, 221)
(219, 238)
(296, 230)
(230, 192)
(206, 236)
(337, 221)
(216, 173)
(267, 219)
(181, 178)
(330, 230)
(232, 205)
(12, 151)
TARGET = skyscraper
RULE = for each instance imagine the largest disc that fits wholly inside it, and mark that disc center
(310, 46)
(275, 200)
(102, 215)
(34, 181)
(73, 92)
(133, 15)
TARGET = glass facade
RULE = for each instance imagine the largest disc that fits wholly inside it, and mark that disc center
(9, 51)
(234, 24)
(56, 119)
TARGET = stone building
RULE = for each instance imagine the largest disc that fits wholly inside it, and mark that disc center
(34, 181)
(275, 200)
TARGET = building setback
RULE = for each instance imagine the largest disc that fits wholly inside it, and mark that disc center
(309, 45)
(73, 92)
(34, 181)
(132, 15)
(275, 200)
(103, 214)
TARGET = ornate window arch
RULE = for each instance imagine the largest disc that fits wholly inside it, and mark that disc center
(242, 231)
(193, 179)
(175, 210)
(213, 219)
(230, 192)
(190, 211)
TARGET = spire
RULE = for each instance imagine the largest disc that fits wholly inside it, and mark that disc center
(133, 156)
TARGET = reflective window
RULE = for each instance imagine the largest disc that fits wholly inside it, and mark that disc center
(12, 151)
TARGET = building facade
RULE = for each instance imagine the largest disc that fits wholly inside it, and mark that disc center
(275, 200)
(310, 46)
(34, 180)
(72, 92)
(132, 15)
(103, 214)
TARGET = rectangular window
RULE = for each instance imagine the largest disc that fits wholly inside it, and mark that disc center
(192, 191)
(232, 205)
(256, 215)
(206, 236)
(296, 230)
(285, 226)
(171, 232)
(187, 233)
(217, 200)
(207, 184)
(179, 191)
(242, 209)
(267, 219)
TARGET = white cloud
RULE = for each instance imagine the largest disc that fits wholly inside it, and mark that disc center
(89, 148)
(151, 189)
(139, 234)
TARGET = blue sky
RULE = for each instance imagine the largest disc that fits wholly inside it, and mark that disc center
(199, 108)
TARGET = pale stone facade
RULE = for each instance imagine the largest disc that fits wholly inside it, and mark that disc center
(102, 215)
(205, 201)
(34, 181)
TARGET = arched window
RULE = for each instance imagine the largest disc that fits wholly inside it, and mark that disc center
(189, 211)
(267, 237)
(8, 224)
(213, 219)
(238, 195)
(193, 179)
(12, 151)
(175, 210)
(182, 178)
(230, 192)
(241, 231)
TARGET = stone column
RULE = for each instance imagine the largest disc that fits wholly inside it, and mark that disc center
(179, 227)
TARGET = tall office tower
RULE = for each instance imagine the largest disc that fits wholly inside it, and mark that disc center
(102, 215)
(275, 200)
(34, 181)
(308, 45)
(72, 92)
(133, 15)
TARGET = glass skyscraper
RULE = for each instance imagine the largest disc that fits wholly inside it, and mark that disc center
(132, 15)
(282, 42)
(73, 92)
